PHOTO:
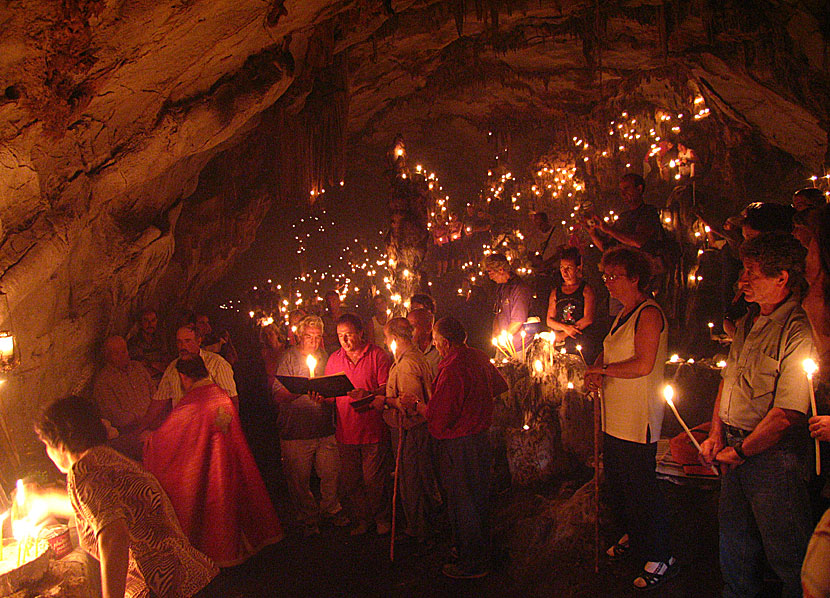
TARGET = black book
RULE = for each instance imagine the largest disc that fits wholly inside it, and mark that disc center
(335, 385)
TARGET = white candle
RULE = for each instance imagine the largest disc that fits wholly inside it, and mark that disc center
(668, 394)
(393, 346)
(311, 363)
(6, 346)
(810, 368)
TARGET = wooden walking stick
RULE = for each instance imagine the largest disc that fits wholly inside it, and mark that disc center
(597, 428)
(395, 486)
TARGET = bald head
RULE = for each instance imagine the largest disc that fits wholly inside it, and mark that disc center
(115, 352)
(421, 320)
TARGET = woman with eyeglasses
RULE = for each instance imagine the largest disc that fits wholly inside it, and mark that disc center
(630, 373)
(572, 308)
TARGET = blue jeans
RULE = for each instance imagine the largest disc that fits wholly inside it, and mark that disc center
(764, 510)
(636, 500)
(464, 468)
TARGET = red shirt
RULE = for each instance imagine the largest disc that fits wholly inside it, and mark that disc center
(370, 372)
(463, 393)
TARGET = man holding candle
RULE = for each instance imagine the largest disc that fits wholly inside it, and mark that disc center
(757, 433)
(422, 321)
(362, 436)
(306, 430)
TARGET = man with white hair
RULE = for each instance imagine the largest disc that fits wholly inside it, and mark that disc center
(123, 388)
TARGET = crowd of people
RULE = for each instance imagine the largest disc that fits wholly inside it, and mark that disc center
(422, 406)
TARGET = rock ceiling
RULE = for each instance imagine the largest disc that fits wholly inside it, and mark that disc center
(142, 142)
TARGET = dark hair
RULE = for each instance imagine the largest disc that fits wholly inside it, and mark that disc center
(350, 319)
(192, 367)
(635, 263)
(496, 261)
(813, 196)
(766, 217)
(399, 327)
(452, 330)
(193, 328)
(425, 300)
(571, 254)
(73, 422)
(542, 215)
(635, 179)
(776, 253)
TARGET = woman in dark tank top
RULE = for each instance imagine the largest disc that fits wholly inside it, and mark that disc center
(572, 308)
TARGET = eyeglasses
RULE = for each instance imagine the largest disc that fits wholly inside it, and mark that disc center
(612, 277)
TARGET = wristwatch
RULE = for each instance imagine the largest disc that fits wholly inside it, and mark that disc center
(739, 449)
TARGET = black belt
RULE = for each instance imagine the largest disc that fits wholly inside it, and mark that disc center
(737, 431)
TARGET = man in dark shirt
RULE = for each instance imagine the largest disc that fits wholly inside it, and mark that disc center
(638, 226)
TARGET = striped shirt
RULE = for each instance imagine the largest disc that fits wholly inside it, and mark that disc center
(123, 396)
(221, 372)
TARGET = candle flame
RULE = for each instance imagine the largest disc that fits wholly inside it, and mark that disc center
(526, 427)
(570, 385)
(668, 393)
(579, 347)
(674, 358)
(311, 362)
(393, 346)
(537, 365)
(810, 367)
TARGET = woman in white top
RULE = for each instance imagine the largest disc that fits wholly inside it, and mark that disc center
(630, 372)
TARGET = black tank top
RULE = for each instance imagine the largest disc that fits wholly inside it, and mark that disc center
(570, 307)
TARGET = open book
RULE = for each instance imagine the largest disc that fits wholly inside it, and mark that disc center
(334, 385)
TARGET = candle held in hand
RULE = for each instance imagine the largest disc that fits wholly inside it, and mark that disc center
(810, 368)
(393, 346)
(311, 362)
(668, 394)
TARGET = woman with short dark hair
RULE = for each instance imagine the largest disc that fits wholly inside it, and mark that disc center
(124, 517)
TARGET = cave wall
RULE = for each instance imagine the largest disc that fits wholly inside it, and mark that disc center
(142, 143)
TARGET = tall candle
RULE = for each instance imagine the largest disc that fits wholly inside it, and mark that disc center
(810, 368)
(311, 362)
(393, 346)
(668, 394)
(6, 346)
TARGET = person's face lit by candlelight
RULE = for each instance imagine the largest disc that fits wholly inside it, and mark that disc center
(758, 287)
(350, 338)
(311, 340)
(571, 272)
(187, 342)
(149, 323)
(442, 345)
(618, 283)
(59, 456)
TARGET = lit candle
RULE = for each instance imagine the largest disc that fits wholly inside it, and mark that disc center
(523, 334)
(311, 362)
(668, 394)
(537, 365)
(6, 347)
(393, 346)
(579, 350)
(810, 368)
(2, 523)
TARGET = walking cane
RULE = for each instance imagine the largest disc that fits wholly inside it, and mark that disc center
(395, 487)
(597, 427)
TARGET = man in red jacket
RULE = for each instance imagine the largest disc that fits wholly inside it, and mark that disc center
(458, 416)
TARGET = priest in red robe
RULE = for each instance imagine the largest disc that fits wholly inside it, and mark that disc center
(203, 462)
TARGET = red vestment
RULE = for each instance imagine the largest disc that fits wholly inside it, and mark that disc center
(200, 457)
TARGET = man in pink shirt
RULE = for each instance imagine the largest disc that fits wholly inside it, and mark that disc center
(362, 436)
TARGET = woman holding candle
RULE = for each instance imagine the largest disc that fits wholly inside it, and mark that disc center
(306, 430)
(124, 517)
(629, 372)
(572, 307)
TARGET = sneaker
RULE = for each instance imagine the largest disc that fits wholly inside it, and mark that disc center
(360, 529)
(383, 528)
(453, 571)
(656, 574)
(339, 519)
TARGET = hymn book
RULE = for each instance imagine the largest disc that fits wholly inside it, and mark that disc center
(334, 385)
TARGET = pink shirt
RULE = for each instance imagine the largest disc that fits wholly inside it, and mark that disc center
(370, 372)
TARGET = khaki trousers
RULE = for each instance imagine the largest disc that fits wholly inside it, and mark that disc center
(298, 457)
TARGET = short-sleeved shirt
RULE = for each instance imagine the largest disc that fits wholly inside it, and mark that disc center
(369, 372)
(512, 305)
(104, 487)
(302, 418)
(764, 368)
(642, 220)
(124, 396)
(154, 350)
(220, 372)
(410, 373)
(463, 394)
(433, 358)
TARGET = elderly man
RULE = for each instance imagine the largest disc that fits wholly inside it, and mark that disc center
(148, 345)
(543, 240)
(306, 430)
(422, 322)
(757, 430)
(410, 375)
(170, 390)
(512, 298)
(362, 436)
(458, 415)
(123, 388)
